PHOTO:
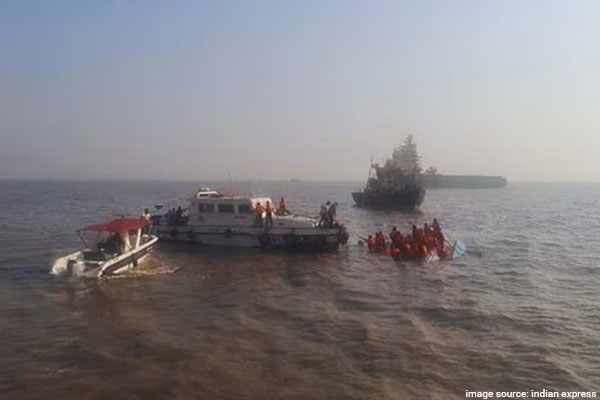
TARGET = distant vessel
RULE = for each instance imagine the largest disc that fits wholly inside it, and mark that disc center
(216, 219)
(396, 185)
(462, 181)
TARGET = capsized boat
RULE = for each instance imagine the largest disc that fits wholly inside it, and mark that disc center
(119, 245)
(216, 219)
(451, 251)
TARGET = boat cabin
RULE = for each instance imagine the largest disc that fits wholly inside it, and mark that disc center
(211, 208)
(114, 238)
(224, 210)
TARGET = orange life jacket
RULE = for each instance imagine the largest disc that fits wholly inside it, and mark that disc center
(371, 244)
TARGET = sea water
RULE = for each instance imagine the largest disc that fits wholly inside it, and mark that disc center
(519, 312)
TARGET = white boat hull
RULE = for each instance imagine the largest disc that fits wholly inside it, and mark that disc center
(76, 264)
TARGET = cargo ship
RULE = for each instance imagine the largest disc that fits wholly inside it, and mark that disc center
(396, 184)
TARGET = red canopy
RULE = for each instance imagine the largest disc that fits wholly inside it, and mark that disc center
(118, 225)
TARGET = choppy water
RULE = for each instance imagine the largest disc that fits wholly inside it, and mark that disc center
(520, 312)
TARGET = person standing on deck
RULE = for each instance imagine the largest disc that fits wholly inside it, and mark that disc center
(331, 214)
(323, 214)
(282, 206)
(269, 211)
(258, 212)
(178, 216)
(146, 215)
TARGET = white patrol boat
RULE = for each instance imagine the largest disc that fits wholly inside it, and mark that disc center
(216, 219)
(117, 246)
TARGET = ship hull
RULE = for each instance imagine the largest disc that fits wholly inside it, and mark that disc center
(463, 181)
(271, 238)
(406, 199)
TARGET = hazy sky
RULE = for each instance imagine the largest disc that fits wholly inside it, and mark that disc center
(298, 89)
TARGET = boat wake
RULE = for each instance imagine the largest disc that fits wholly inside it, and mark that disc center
(61, 268)
(148, 267)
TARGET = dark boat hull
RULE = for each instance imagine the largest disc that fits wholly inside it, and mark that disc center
(463, 181)
(269, 238)
(406, 199)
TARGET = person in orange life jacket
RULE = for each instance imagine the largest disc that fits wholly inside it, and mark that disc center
(396, 241)
(395, 238)
(400, 244)
(415, 232)
(258, 212)
(282, 209)
(380, 239)
(393, 234)
(416, 246)
(437, 230)
(423, 251)
(426, 229)
(408, 248)
(399, 238)
(269, 211)
(371, 243)
(427, 238)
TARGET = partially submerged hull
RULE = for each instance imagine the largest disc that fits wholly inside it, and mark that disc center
(407, 199)
(463, 181)
(272, 238)
(451, 252)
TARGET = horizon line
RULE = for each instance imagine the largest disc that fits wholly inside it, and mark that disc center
(227, 180)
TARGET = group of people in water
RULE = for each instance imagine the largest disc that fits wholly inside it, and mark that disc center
(413, 246)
